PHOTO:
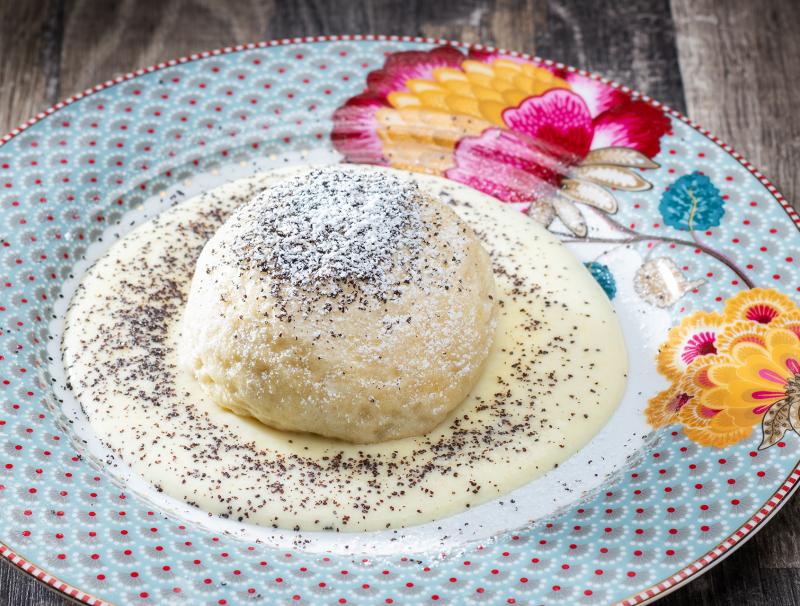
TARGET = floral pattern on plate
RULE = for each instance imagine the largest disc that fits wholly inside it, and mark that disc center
(547, 139)
(676, 507)
(733, 370)
(514, 129)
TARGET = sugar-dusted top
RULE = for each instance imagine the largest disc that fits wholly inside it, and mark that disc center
(332, 228)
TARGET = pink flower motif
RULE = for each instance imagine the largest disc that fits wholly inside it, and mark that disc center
(700, 344)
(597, 95)
(559, 131)
(355, 130)
(558, 121)
(635, 125)
(618, 120)
(512, 128)
(548, 134)
(502, 164)
(679, 401)
(763, 314)
(399, 68)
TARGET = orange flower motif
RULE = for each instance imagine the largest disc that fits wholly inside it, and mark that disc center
(706, 424)
(719, 428)
(666, 407)
(790, 321)
(476, 88)
(537, 136)
(698, 374)
(762, 379)
(755, 376)
(752, 375)
(663, 409)
(741, 331)
(425, 121)
(695, 337)
(761, 305)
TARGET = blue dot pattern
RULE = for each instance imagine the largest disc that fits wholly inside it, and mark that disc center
(66, 178)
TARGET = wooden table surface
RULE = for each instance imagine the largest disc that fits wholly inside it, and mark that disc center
(731, 65)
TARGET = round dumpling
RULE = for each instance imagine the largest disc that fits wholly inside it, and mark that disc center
(343, 302)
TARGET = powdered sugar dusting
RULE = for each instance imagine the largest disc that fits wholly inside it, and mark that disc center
(331, 227)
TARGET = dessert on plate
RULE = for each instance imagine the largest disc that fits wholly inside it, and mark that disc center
(342, 348)
(349, 305)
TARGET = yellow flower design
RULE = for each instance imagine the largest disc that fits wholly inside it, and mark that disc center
(663, 409)
(719, 430)
(698, 374)
(741, 331)
(476, 88)
(790, 321)
(695, 337)
(425, 121)
(751, 377)
(544, 138)
(761, 305)
(755, 376)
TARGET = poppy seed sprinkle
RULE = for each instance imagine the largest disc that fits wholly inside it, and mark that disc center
(330, 228)
(550, 371)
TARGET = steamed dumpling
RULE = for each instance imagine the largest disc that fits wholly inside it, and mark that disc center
(341, 302)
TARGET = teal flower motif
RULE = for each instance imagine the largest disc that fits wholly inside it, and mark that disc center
(692, 202)
(604, 277)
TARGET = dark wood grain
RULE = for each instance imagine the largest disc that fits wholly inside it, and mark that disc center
(17, 588)
(30, 46)
(102, 39)
(630, 42)
(740, 62)
(733, 65)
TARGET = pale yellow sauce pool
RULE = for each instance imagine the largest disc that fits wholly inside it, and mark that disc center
(556, 373)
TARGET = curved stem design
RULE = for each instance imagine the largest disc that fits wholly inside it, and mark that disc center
(650, 238)
(634, 236)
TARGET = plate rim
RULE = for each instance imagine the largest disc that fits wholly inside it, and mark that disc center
(647, 595)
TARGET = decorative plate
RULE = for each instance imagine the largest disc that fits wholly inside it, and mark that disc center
(696, 249)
